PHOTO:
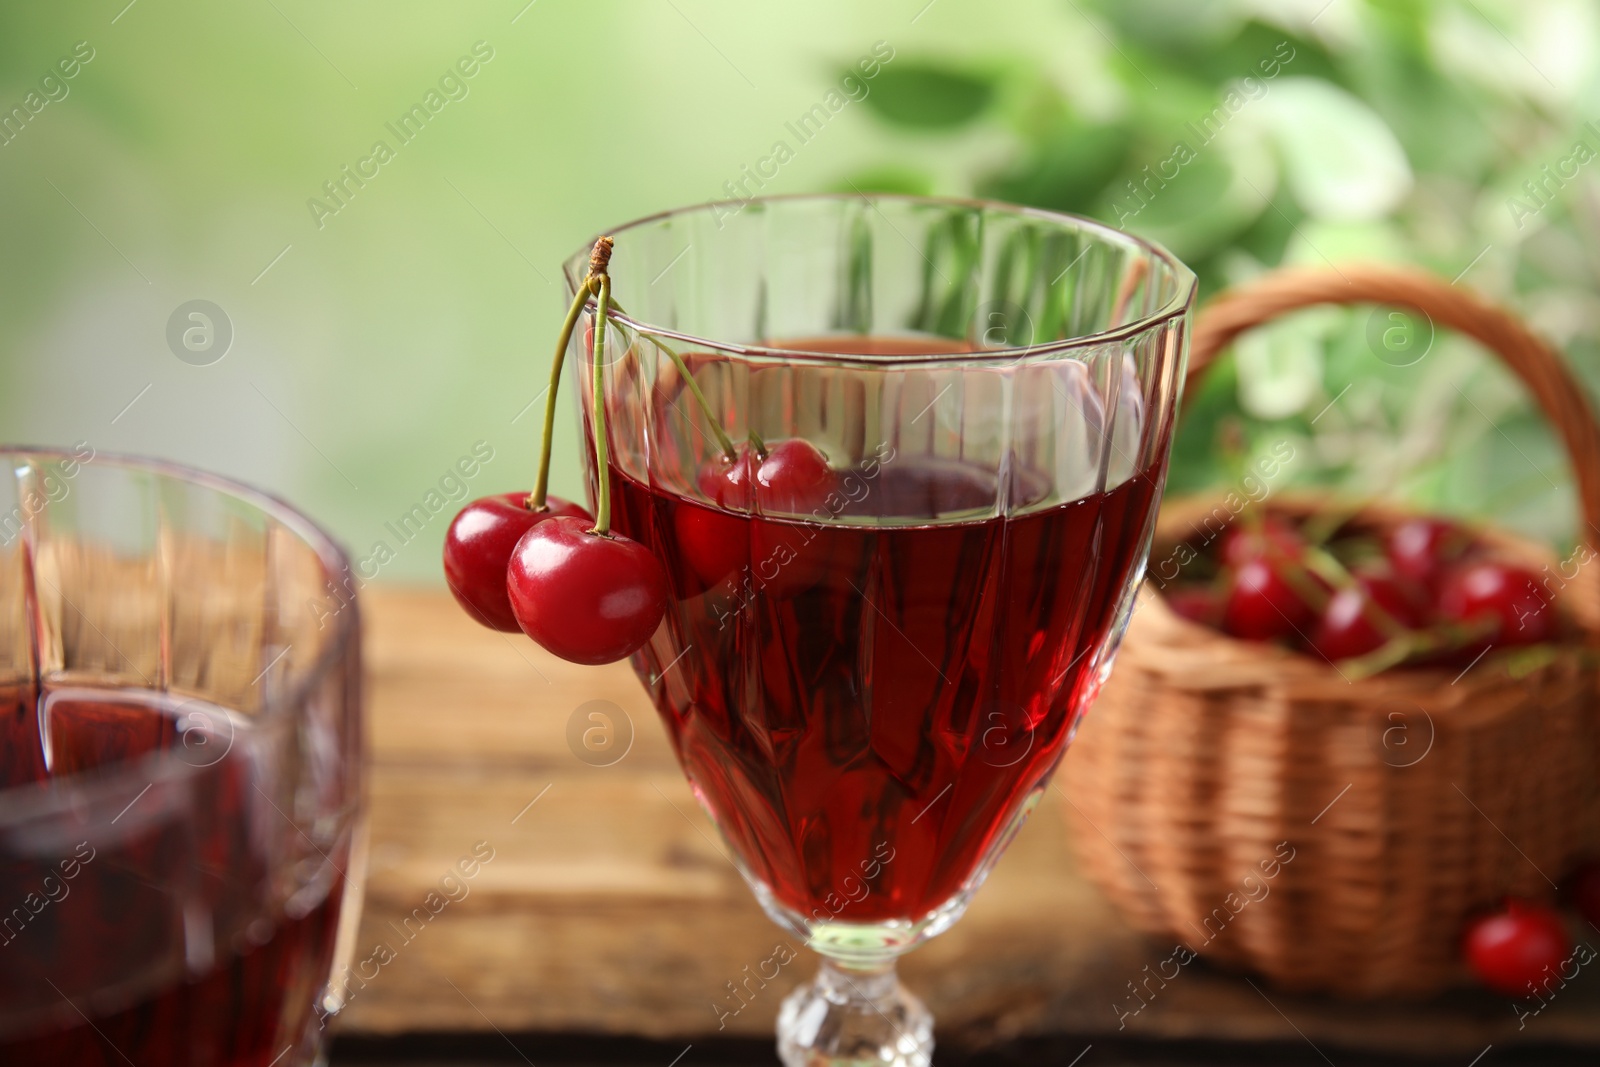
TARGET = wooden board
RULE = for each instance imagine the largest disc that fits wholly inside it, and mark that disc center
(610, 905)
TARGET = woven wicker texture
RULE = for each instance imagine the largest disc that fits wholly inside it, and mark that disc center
(1406, 800)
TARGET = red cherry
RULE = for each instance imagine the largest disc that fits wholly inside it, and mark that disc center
(1274, 537)
(1585, 889)
(1346, 628)
(727, 482)
(1516, 950)
(713, 543)
(716, 544)
(795, 477)
(1507, 595)
(1421, 549)
(1261, 605)
(477, 550)
(586, 597)
(787, 558)
(1197, 603)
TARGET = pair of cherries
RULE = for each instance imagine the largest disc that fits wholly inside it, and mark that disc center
(594, 598)
(791, 476)
(585, 596)
(545, 566)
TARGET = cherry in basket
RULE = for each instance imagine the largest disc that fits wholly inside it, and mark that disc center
(1262, 603)
(1364, 616)
(1503, 602)
(1422, 549)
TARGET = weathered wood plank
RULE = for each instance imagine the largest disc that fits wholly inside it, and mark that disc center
(610, 906)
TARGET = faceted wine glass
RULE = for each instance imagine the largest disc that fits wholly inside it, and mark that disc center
(180, 768)
(869, 670)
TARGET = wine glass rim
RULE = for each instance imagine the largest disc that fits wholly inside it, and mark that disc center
(1179, 304)
(22, 802)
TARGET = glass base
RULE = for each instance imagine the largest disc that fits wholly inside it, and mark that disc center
(848, 1017)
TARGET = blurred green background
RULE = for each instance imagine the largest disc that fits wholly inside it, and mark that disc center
(374, 345)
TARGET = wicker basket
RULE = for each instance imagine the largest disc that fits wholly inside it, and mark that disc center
(1250, 803)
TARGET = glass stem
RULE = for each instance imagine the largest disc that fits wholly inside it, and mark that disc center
(843, 981)
(854, 1014)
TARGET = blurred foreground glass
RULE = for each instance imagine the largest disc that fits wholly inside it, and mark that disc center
(180, 759)
(869, 685)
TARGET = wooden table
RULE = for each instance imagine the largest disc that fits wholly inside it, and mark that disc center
(610, 906)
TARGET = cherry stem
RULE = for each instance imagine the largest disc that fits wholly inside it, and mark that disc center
(1413, 644)
(536, 499)
(1326, 566)
(723, 441)
(602, 459)
(1297, 576)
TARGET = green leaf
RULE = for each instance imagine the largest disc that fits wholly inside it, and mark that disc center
(928, 96)
(1067, 169)
(888, 178)
(1340, 158)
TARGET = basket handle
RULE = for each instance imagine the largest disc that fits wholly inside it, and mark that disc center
(1559, 395)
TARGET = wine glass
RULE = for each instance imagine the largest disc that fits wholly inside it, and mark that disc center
(180, 776)
(869, 669)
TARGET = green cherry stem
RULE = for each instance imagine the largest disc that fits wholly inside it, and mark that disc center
(723, 441)
(602, 513)
(537, 497)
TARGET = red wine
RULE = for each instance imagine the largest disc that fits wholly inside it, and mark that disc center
(156, 940)
(867, 720)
